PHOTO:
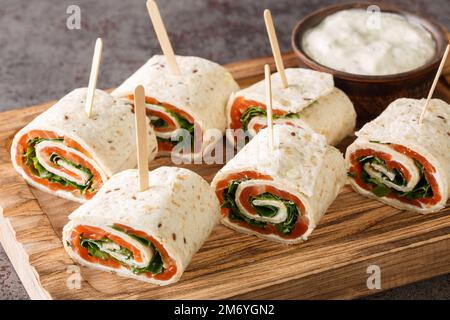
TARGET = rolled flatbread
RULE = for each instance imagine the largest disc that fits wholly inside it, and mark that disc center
(403, 163)
(280, 194)
(149, 236)
(311, 100)
(65, 153)
(187, 111)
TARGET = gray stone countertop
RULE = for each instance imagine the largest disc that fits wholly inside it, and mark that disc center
(42, 60)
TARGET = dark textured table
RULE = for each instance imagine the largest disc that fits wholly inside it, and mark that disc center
(42, 59)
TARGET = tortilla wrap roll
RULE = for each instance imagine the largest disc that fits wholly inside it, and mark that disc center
(280, 195)
(402, 163)
(194, 101)
(310, 100)
(67, 154)
(149, 236)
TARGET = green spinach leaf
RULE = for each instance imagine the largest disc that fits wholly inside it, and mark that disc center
(422, 190)
(37, 169)
(183, 123)
(252, 112)
(93, 247)
(155, 266)
(286, 227)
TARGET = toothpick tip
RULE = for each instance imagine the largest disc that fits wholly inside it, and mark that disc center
(96, 60)
(139, 90)
(99, 43)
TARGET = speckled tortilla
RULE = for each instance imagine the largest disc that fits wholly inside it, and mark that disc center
(312, 95)
(305, 87)
(108, 135)
(179, 210)
(398, 124)
(202, 90)
(302, 163)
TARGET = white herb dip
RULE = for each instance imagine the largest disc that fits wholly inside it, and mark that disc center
(351, 41)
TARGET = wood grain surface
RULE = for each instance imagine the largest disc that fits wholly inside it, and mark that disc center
(355, 233)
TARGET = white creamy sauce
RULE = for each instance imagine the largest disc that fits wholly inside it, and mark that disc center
(349, 41)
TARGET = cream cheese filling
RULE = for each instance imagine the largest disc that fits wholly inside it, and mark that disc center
(80, 177)
(281, 214)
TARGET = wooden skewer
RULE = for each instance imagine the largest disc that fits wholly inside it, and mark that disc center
(275, 47)
(93, 76)
(269, 106)
(141, 137)
(435, 82)
(163, 38)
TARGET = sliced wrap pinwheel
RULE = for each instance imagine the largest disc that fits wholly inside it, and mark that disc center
(67, 153)
(401, 162)
(187, 110)
(150, 235)
(280, 194)
(310, 100)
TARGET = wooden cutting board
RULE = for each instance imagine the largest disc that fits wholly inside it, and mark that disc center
(354, 234)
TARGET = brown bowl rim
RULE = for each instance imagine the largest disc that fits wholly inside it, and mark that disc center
(435, 29)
